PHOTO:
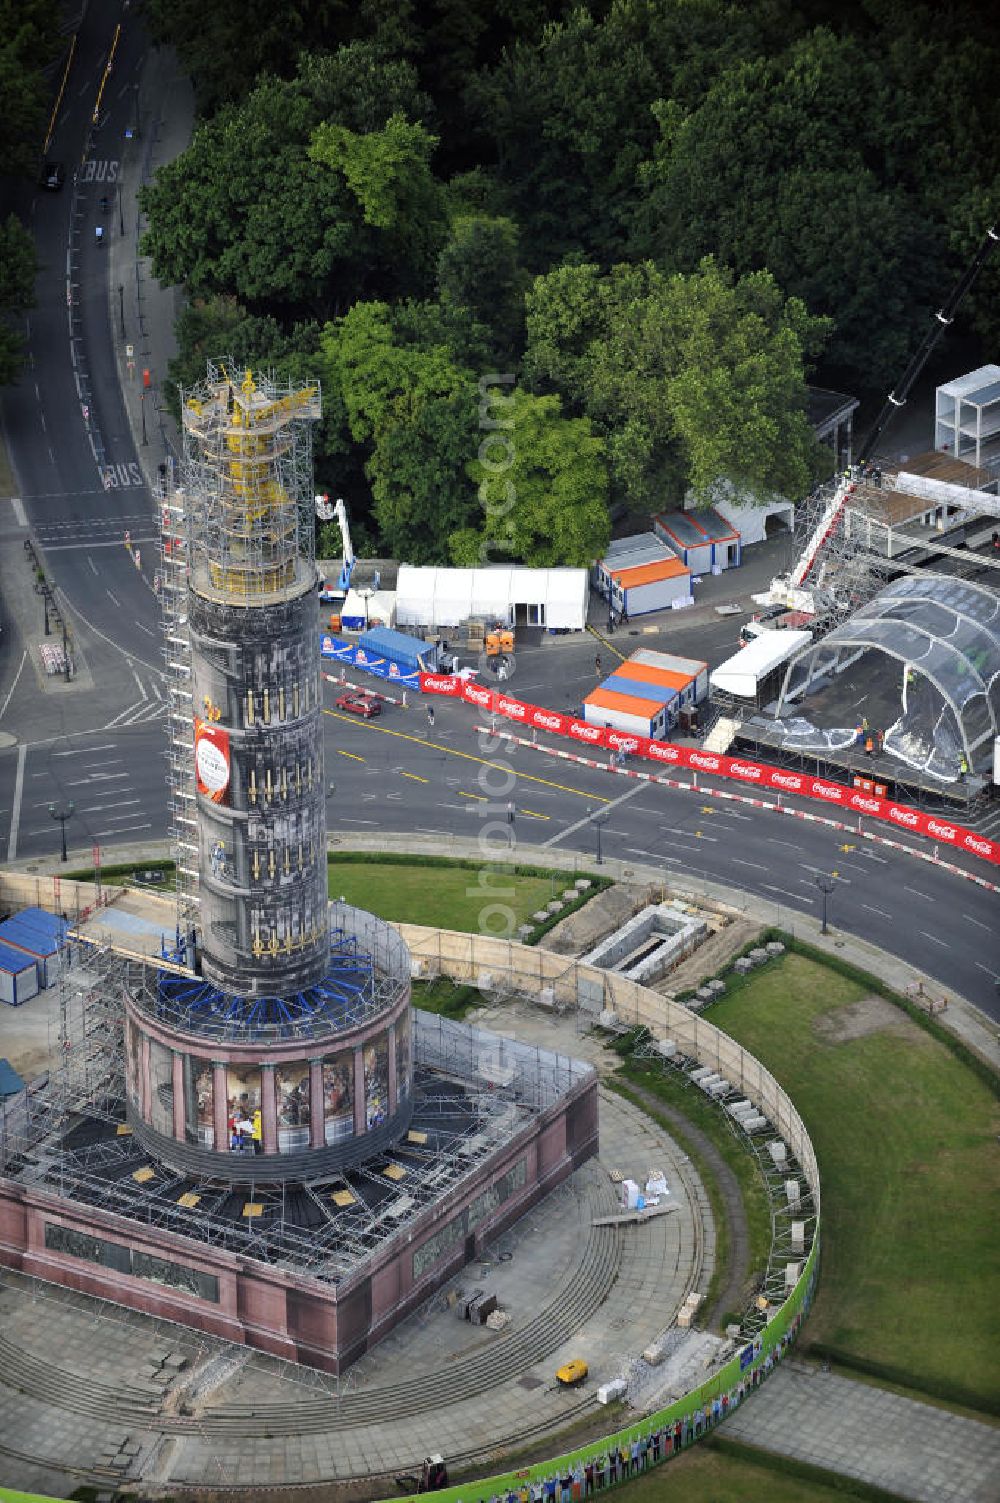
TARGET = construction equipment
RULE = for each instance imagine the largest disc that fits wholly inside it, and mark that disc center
(326, 512)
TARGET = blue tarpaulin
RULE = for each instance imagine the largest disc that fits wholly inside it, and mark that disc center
(354, 655)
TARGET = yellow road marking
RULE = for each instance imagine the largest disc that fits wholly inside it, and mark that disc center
(480, 796)
(353, 755)
(414, 775)
(605, 643)
(451, 751)
(534, 814)
(707, 809)
(846, 848)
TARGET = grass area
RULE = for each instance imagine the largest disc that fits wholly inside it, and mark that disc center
(707, 1474)
(905, 1135)
(449, 998)
(446, 895)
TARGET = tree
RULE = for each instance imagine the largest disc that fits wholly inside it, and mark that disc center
(29, 41)
(689, 378)
(479, 274)
(246, 211)
(413, 410)
(18, 266)
(569, 117)
(543, 488)
(832, 225)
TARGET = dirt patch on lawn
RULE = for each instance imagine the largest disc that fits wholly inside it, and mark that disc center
(870, 1015)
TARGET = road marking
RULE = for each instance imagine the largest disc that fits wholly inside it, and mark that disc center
(145, 629)
(81, 751)
(15, 816)
(96, 777)
(100, 833)
(917, 893)
(880, 911)
(480, 797)
(414, 775)
(968, 920)
(987, 970)
(99, 808)
(353, 755)
(344, 819)
(74, 547)
(13, 686)
(90, 561)
(19, 515)
(534, 814)
(113, 599)
(587, 818)
(735, 861)
(934, 940)
(452, 751)
(798, 897)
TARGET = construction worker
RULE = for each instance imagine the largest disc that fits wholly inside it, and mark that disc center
(869, 745)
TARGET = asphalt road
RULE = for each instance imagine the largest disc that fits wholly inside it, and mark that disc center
(81, 487)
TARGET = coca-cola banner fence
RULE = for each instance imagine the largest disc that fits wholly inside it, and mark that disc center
(760, 774)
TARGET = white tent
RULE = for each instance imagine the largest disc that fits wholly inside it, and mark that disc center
(743, 673)
(439, 597)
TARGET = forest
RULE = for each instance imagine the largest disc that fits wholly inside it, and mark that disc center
(649, 223)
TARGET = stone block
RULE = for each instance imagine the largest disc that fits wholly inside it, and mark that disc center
(540, 916)
(570, 894)
(775, 947)
(742, 966)
(582, 884)
(758, 956)
(556, 906)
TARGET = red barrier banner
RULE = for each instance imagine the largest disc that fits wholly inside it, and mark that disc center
(761, 774)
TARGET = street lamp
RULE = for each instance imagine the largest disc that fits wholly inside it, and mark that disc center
(598, 820)
(142, 409)
(825, 885)
(62, 815)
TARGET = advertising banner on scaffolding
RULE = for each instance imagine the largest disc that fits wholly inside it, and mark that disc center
(211, 761)
(740, 769)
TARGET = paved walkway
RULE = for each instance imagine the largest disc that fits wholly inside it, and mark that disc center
(875, 1436)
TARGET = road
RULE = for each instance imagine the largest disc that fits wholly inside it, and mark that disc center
(102, 750)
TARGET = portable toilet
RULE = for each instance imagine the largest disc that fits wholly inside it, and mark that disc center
(18, 976)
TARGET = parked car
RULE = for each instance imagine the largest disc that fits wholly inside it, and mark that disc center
(359, 704)
(52, 176)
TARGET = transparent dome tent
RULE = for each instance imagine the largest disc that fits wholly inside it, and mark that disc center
(944, 634)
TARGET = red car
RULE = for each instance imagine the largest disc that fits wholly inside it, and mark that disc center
(359, 704)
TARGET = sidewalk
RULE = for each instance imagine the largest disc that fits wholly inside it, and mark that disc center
(150, 311)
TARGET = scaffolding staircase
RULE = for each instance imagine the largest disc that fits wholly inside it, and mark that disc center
(721, 735)
(180, 714)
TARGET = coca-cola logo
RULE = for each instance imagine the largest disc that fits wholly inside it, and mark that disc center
(438, 685)
(830, 791)
(908, 817)
(977, 844)
(512, 708)
(585, 732)
(746, 770)
(477, 696)
(661, 753)
(786, 780)
(866, 805)
(943, 832)
(549, 722)
(710, 764)
(624, 743)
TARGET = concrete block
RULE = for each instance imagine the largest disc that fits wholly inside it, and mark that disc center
(758, 956)
(778, 1151)
(742, 966)
(792, 1272)
(798, 1236)
(775, 947)
(570, 894)
(540, 916)
(608, 1392)
(582, 884)
(556, 906)
(792, 1194)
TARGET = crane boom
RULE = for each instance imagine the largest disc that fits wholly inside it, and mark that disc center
(897, 397)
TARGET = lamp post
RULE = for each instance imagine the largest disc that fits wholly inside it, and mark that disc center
(62, 815)
(142, 409)
(825, 885)
(598, 820)
(121, 305)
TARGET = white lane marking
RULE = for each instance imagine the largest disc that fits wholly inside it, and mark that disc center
(917, 893)
(98, 808)
(581, 824)
(96, 777)
(114, 600)
(968, 920)
(145, 629)
(343, 820)
(13, 686)
(798, 897)
(74, 547)
(142, 692)
(880, 911)
(19, 514)
(86, 751)
(90, 561)
(987, 970)
(123, 830)
(934, 940)
(15, 817)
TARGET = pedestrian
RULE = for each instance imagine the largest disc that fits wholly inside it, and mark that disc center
(869, 746)
(963, 767)
(430, 716)
(611, 620)
(597, 665)
(510, 812)
(623, 618)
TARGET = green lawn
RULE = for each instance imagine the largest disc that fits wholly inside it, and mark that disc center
(705, 1475)
(446, 897)
(906, 1141)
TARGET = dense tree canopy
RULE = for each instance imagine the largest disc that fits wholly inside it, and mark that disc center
(29, 40)
(650, 221)
(689, 377)
(17, 292)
